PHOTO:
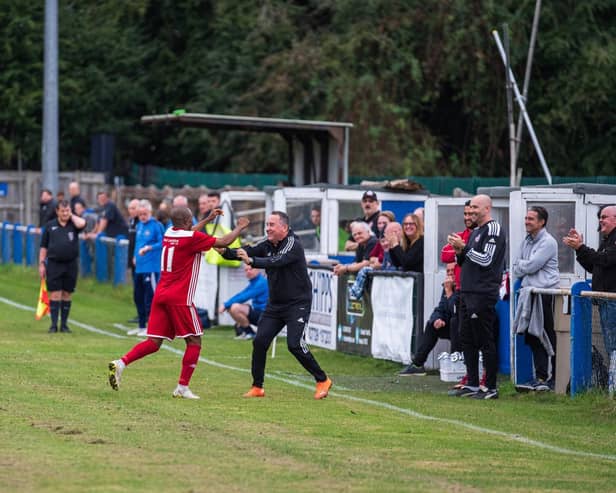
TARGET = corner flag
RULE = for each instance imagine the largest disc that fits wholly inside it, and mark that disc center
(42, 307)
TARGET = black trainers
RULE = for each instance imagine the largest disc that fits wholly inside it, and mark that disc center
(537, 385)
(463, 392)
(53, 329)
(413, 370)
(65, 329)
(542, 386)
(486, 394)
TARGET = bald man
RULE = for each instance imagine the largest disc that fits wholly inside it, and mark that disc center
(482, 260)
(602, 264)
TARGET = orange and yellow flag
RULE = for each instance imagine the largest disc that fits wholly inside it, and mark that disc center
(42, 308)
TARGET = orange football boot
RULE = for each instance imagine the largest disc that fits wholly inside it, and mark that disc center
(322, 389)
(255, 392)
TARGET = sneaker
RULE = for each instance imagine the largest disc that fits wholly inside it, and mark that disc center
(542, 386)
(322, 389)
(413, 369)
(249, 336)
(65, 328)
(142, 333)
(255, 392)
(464, 391)
(53, 329)
(482, 382)
(183, 392)
(486, 394)
(463, 381)
(240, 337)
(116, 368)
(132, 332)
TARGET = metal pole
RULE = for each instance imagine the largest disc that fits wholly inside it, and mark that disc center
(529, 64)
(510, 122)
(522, 106)
(49, 152)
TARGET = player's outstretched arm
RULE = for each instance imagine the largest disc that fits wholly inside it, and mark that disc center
(230, 237)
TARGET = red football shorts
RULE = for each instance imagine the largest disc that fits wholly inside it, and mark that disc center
(171, 321)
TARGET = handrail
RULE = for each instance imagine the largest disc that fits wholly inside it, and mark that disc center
(598, 294)
(552, 291)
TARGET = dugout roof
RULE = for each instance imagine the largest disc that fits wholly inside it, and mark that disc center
(318, 150)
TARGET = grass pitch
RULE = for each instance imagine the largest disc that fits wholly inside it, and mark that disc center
(62, 428)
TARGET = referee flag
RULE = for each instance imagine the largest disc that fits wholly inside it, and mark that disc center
(42, 308)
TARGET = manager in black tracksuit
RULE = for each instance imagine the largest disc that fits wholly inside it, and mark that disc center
(290, 298)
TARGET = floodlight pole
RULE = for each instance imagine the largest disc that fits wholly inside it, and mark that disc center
(529, 64)
(49, 151)
(520, 101)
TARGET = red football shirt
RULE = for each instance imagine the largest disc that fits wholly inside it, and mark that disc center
(179, 265)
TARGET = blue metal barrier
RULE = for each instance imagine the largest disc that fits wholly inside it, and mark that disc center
(100, 259)
(120, 261)
(31, 246)
(504, 331)
(6, 242)
(85, 259)
(581, 338)
(18, 244)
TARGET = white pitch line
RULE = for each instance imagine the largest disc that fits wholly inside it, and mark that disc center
(384, 405)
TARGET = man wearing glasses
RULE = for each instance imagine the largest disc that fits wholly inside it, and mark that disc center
(602, 264)
(370, 206)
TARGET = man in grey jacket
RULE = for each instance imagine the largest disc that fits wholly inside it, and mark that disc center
(537, 265)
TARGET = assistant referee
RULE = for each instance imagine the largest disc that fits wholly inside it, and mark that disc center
(58, 261)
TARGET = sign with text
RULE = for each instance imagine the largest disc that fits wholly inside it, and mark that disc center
(321, 330)
(354, 332)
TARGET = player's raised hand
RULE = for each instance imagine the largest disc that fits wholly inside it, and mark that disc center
(214, 213)
(243, 222)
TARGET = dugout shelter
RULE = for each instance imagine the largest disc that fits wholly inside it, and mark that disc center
(318, 151)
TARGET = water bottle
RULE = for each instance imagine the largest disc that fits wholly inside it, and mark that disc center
(611, 386)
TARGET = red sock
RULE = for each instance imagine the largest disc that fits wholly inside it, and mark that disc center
(189, 362)
(140, 350)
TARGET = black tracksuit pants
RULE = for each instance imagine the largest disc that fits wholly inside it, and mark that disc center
(478, 334)
(273, 320)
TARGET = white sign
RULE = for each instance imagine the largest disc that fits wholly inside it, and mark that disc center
(393, 321)
(321, 329)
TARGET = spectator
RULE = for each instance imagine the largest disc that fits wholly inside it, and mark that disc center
(245, 314)
(163, 217)
(173, 313)
(448, 255)
(111, 221)
(365, 240)
(47, 207)
(146, 259)
(133, 221)
(441, 325)
(182, 201)
(408, 253)
(75, 196)
(380, 261)
(536, 264)
(483, 260)
(602, 264)
(315, 219)
(58, 262)
(370, 206)
(90, 217)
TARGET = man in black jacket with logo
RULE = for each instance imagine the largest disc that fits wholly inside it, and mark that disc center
(482, 260)
(290, 299)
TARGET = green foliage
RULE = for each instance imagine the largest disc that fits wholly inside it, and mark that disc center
(421, 81)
